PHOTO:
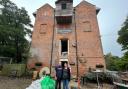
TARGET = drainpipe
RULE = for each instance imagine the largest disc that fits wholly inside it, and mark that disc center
(77, 61)
(52, 44)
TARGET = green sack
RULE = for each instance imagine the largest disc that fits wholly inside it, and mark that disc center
(47, 83)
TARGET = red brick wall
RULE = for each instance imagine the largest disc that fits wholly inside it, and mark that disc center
(42, 42)
(89, 43)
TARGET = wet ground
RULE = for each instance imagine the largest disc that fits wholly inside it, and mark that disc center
(22, 83)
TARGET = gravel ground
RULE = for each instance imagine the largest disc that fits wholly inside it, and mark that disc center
(14, 83)
(22, 83)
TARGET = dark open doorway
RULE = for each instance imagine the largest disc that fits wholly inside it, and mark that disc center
(64, 45)
(63, 62)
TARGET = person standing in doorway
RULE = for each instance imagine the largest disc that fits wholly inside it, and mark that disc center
(58, 70)
(66, 75)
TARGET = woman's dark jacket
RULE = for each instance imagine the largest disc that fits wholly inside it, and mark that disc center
(68, 74)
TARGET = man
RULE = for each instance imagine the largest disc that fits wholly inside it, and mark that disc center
(58, 70)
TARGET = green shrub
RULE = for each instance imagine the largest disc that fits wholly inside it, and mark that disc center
(9, 68)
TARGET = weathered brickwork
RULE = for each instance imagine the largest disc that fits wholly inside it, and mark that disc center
(84, 31)
(42, 42)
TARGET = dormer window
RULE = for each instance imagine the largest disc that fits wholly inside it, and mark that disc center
(63, 6)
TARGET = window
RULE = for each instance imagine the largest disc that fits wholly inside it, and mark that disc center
(43, 28)
(64, 48)
(87, 26)
(63, 6)
(64, 45)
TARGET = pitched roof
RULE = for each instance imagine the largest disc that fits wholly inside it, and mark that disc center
(45, 5)
(85, 2)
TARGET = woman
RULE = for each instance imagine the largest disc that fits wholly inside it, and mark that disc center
(66, 76)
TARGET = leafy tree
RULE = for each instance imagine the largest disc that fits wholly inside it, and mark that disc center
(123, 36)
(123, 40)
(115, 63)
(124, 61)
(111, 62)
(15, 25)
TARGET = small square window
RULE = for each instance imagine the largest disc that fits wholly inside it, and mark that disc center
(64, 6)
(87, 26)
(43, 28)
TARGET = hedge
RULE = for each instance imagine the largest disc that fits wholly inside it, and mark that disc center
(9, 68)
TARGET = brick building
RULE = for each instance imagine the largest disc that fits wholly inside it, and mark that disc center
(67, 34)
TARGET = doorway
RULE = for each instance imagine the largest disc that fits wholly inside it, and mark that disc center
(64, 47)
(63, 62)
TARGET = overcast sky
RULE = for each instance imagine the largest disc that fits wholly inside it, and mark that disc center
(112, 15)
